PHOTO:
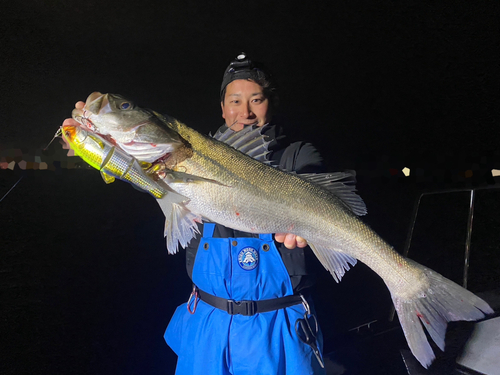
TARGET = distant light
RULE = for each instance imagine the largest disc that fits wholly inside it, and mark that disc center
(495, 172)
(406, 171)
(11, 166)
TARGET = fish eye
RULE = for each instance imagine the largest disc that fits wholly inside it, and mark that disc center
(125, 105)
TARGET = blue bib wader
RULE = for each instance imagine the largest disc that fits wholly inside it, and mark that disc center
(211, 341)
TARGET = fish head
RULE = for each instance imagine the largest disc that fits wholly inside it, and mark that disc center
(109, 114)
(138, 131)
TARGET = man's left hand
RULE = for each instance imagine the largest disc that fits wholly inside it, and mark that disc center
(290, 240)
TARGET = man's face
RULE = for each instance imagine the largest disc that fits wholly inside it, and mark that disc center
(245, 104)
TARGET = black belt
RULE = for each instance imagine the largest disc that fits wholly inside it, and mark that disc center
(249, 308)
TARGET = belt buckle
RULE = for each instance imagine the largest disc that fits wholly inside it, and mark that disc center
(245, 308)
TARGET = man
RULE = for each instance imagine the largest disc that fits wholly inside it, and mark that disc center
(246, 314)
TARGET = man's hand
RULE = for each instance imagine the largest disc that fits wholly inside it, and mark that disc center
(290, 240)
(71, 121)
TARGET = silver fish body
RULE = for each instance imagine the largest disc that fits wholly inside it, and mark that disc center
(228, 187)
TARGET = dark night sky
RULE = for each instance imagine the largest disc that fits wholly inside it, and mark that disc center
(374, 85)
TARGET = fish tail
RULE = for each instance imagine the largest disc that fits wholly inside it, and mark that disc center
(433, 307)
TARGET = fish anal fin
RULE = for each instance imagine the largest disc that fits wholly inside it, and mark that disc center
(334, 261)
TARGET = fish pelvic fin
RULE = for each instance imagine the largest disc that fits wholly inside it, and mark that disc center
(442, 301)
(334, 261)
(180, 223)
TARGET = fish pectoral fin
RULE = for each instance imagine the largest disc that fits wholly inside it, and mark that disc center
(107, 177)
(334, 261)
(180, 223)
(186, 178)
(342, 185)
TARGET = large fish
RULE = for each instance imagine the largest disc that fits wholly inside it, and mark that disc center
(231, 188)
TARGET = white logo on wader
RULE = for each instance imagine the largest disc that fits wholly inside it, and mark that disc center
(248, 258)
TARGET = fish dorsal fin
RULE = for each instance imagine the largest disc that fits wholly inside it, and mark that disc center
(334, 261)
(107, 177)
(342, 185)
(180, 223)
(249, 140)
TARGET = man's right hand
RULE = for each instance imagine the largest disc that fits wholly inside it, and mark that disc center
(71, 121)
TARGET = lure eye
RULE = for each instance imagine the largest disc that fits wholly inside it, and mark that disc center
(126, 105)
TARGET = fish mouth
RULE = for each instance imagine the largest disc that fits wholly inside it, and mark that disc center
(95, 102)
(93, 105)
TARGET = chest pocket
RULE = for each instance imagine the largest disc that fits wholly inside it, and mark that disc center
(243, 268)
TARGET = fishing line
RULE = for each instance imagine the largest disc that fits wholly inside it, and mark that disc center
(58, 133)
(11, 188)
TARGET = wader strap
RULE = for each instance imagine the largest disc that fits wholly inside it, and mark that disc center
(266, 237)
(249, 308)
(208, 229)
